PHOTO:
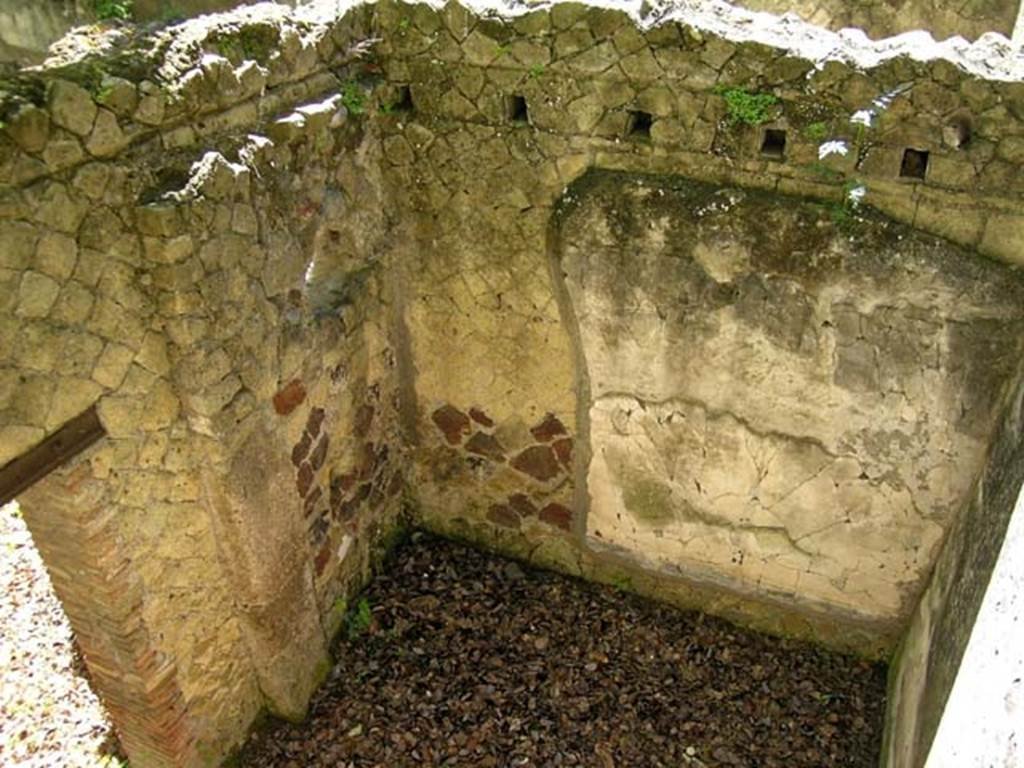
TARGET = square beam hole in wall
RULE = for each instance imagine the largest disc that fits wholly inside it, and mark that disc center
(518, 111)
(403, 100)
(915, 164)
(639, 124)
(773, 143)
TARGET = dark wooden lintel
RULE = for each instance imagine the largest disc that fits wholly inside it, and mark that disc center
(63, 445)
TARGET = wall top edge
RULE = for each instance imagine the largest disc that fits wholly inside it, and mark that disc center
(990, 57)
(166, 53)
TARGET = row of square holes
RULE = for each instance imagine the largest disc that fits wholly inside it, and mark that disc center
(638, 124)
(914, 164)
(773, 143)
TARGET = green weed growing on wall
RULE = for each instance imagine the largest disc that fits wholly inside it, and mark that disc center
(353, 98)
(744, 107)
(112, 9)
(816, 131)
(358, 619)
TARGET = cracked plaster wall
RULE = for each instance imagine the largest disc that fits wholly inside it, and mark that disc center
(508, 427)
(926, 664)
(293, 316)
(777, 400)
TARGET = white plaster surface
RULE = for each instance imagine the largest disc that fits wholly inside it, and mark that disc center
(983, 724)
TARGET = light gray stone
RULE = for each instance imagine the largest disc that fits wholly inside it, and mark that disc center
(72, 107)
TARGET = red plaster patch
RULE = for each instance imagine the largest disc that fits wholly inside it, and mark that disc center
(304, 479)
(363, 420)
(521, 503)
(503, 516)
(319, 453)
(481, 418)
(557, 515)
(310, 504)
(537, 461)
(548, 429)
(315, 420)
(452, 422)
(563, 450)
(290, 397)
(301, 449)
(323, 557)
(483, 444)
(369, 461)
(347, 481)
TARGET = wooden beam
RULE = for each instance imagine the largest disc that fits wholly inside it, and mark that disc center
(60, 447)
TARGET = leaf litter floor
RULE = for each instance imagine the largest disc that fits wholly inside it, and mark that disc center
(460, 658)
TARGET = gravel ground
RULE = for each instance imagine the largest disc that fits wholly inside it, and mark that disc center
(456, 658)
(49, 716)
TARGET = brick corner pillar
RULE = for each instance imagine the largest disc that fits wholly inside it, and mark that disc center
(73, 523)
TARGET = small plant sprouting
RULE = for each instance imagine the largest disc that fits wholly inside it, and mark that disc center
(500, 50)
(747, 108)
(353, 98)
(844, 213)
(622, 582)
(842, 216)
(816, 131)
(103, 93)
(854, 191)
(404, 24)
(112, 9)
(535, 71)
(358, 619)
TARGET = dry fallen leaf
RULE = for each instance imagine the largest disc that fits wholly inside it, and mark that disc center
(477, 664)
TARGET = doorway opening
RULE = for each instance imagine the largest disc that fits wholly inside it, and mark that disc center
(49, 713)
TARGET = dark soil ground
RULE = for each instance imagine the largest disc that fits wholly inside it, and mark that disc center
(457, 658)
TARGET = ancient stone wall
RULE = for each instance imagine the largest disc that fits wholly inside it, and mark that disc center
(927, 662)
(511, 319)
(716, 311)
(193, 251)
(29, 27)
(884, 19)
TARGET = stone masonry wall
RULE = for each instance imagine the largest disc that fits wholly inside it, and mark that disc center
(926, 665)
(74, 523)
(188, 241)
(29, 27)
(884, 19)
(512, 112)
(312, 268)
